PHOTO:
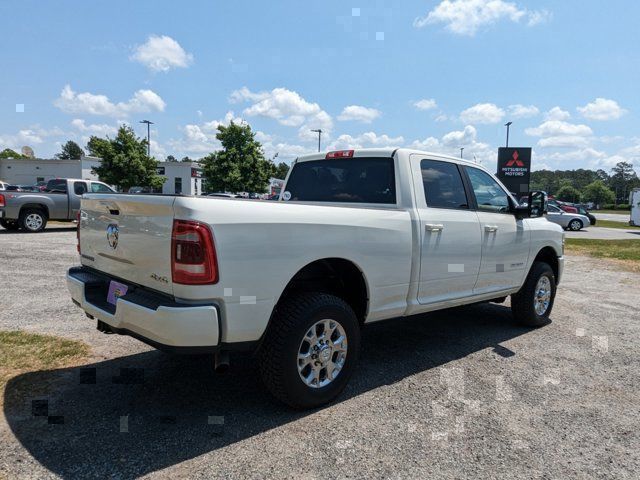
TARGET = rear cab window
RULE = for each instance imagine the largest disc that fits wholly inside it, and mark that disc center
(343, 180)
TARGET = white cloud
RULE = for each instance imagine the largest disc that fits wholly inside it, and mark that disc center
(288, 108)
(582, 158)
(430, 144)
(552, 128)
(460, 138)
(285, 151)
(556, 113)
(482, 113)
(560, 134)
(161, 54)
(602, 109)
(426, 104)
(101, 130)
(92, 104)
(365, 140)
(200, 139)
(466, 17)
(359, 114)
(522, 111)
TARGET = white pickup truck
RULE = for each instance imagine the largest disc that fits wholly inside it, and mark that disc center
(357, 237)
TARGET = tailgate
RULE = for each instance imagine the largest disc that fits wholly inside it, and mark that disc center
(129, 236)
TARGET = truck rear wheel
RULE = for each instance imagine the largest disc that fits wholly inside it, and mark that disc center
(310, 349)
(532, 304)
(32, 220)
(11, 225)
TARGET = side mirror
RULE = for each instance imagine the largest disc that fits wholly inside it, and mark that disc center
(537, 204)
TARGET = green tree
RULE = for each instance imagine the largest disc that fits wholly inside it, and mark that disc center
(281, 171)
(8, 153)
(124, 160)
(170, 158)
(240, 166)
(623, 178)
(598, 193)
(70, 150)
(568, 193)
(186, 159)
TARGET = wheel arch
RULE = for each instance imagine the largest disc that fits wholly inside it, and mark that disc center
(36, 206)
(549, 256)
(338, 276)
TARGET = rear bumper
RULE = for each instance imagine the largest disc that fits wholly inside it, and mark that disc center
(148, 316)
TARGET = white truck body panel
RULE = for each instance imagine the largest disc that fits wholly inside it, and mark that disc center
(261, 245)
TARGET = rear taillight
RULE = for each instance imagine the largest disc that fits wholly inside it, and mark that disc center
(1, 200)
(78, 216)
(193, 254)
(340, 154)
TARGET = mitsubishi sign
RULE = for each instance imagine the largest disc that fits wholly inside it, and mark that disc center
(514, 168)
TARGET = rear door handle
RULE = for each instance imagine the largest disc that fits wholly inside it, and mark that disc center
(490, 228)
(433, 227)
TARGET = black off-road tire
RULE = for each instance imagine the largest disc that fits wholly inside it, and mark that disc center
(522, 302)
(27, 214)
(10, 225)
(279, 352)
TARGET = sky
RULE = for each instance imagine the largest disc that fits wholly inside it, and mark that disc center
(434, 75)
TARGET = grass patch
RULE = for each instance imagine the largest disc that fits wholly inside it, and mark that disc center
(618, 212)
(614, 224)
(29, 352)
(625, 252)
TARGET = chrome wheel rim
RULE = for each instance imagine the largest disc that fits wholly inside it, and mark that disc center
(542, 297)
(322, 353)
(33, 221)
(575, 225)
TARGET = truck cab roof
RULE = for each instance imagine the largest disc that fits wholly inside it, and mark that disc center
(382, 152)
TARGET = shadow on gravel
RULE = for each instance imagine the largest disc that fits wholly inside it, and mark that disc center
(133, 415)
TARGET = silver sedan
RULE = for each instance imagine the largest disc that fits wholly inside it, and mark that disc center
(571, 221)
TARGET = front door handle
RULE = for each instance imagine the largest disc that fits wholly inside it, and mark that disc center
(433, 227)
(490, 228)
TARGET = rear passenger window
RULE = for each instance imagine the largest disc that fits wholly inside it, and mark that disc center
(443, 187)
(349, 180)
(79, 188)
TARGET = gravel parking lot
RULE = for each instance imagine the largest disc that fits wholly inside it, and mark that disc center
(458, 394)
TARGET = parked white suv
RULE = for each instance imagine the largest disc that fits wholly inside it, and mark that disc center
(357, 237)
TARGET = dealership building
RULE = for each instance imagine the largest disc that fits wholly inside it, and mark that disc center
(180, 177)
(29, 171)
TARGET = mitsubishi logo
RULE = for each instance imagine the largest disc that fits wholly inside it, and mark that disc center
(514, 161)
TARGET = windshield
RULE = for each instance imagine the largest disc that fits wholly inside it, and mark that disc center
(348, 180)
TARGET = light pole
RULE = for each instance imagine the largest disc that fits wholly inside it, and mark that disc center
(319, 132)
(461, 150)
(149, 123)
(508, 124)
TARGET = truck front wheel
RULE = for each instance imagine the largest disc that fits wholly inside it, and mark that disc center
(310, 349)
(32, 220)
(532, 304)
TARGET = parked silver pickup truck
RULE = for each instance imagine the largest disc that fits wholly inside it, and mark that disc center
(31, 211)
